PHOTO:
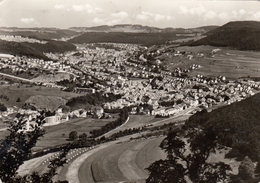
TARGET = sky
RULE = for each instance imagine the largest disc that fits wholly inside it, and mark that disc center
(157, 13)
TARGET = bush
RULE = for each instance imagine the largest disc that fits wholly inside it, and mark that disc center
(2, 107)
(73, 135)
(18, 99)
(246, 169)
(257, 169)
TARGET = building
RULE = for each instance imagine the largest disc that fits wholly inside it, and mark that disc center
(52, 120)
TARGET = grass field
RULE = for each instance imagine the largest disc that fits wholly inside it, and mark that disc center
(24, 92)
(121, 162)
(230, 63)
(135, 121)
(128, 161)
(58, 134)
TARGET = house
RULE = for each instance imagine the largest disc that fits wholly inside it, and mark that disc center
(97, 111)
(159, 111)
(51, 120)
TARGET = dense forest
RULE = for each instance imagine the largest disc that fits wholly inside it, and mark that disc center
(237, 125)
(242, 35)
(35, 50)
(123, 37)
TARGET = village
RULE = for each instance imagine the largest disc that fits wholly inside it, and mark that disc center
(159, 92)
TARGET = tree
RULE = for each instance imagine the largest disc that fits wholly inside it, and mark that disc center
(16, 148)
(246, 169)
(83, 138)
(18, 99)
(3, 107)
(257, 168)
(73, 135)
(187, 154)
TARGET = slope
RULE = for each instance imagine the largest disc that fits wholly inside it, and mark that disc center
(238, 125)
(242, 35)
(35, 50)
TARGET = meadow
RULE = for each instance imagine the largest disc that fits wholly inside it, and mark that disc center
(228, 62)
(121, 162)
(59, 134)
(24, 92)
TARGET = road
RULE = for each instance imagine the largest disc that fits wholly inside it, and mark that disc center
(14, 77)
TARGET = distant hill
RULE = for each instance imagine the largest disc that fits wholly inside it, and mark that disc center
(135, 28)
(242, 35)
(124, 37)
(118, 28)
(238, 125)
(39, 33)
(35, 50)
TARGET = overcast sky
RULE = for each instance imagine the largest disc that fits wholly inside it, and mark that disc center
(158, 13)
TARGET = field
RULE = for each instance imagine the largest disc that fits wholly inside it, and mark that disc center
(24, 92)
(128, 161)
(135, 121)
(230, 63)
(121, 162)
(58, 134)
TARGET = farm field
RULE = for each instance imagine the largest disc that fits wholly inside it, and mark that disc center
(121, 162)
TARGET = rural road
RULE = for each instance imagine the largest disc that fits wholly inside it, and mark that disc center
(14, 77)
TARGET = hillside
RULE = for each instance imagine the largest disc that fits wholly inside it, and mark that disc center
(135, 28)
(35, 50)
(242, 35)
(39, 33)
(50, 103)
(22, 49)
(124, 37)
(238, 125)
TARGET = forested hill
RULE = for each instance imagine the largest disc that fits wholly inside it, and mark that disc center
(125, 37)
(38, 33)
(238, 124)
(242, 35)
(35, 50)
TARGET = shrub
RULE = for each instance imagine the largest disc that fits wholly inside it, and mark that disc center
(246, 169)
(73, 135)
